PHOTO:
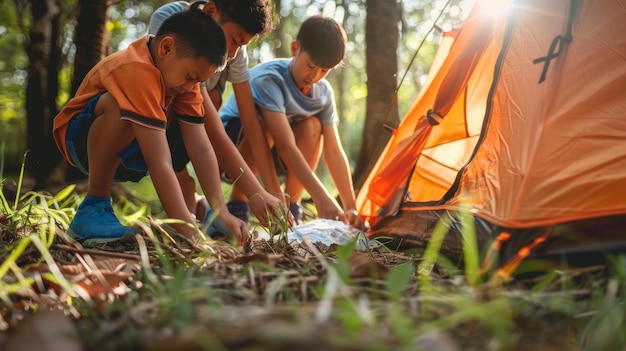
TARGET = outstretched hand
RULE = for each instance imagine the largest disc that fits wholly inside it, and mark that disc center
(189, 231)
(328, 208)
(268, 208)
(332, 211)
(352, 217)
(238, 228)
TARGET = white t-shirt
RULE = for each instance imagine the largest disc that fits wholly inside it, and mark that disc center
(236, 70)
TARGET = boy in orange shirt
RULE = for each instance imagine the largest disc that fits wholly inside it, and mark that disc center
(114, 129)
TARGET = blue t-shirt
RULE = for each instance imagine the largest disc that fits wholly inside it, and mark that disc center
(273, 89)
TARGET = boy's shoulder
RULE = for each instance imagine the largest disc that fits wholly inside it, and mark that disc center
(273, 70)
(275, 66)
(129, 64)
(127, 71)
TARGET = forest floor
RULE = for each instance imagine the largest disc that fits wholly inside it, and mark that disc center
(156, 291)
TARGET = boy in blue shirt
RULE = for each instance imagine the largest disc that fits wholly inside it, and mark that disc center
(297, 111)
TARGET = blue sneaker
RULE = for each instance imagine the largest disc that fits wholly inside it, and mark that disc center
(97, 223)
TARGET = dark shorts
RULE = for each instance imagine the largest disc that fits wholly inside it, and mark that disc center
(180, 157)
(234, 129)
(132, 167)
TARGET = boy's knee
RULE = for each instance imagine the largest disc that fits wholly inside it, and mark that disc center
(312, 122)
(308, 129)
(107, 104)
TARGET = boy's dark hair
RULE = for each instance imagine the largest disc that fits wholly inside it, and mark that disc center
(255, 16)
(197, 35)
(324, 40)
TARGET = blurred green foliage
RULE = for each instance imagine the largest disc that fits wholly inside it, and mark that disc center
(129, 19)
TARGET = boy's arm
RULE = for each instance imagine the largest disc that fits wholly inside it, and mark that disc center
(256, 136)
(339, 169)
(156, 152)
(204, 162)
(234, 164)
(285, 143)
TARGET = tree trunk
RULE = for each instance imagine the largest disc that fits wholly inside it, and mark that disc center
(381, 38)
(42, 88)
(281, 47)
(341, 91)
(91, 39)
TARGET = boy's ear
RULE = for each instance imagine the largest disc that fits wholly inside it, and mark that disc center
(167, 46)
(295, 47)
(209, 8)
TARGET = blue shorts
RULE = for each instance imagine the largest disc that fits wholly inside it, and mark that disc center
(234, 129)
(132, 167)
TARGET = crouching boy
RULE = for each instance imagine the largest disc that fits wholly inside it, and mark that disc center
(114, 128)
(297, 112)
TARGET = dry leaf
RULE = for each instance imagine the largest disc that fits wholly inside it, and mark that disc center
(94, 286)
(110, 264)
(364, 266)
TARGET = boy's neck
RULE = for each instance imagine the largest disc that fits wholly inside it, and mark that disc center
(303, 90)
(152, 47)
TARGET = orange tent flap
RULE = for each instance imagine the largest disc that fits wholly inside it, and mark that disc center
(463, 67)
(384, 185)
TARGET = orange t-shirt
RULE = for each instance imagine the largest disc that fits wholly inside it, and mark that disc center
(131, 77)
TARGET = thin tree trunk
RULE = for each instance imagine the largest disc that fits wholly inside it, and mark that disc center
(91, 39)
(342, 88)
(42, 89)
(381, 36)
(281, 47)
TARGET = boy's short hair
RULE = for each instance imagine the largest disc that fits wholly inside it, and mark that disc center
(197, 35)
(324, 40)
(255, 16)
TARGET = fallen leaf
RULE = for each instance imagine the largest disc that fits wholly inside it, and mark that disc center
(94, 285)
(364, 266)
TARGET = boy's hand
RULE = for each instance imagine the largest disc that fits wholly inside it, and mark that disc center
(238, 228)
(352, 217)
(265, 205)
(191, 232)
(329, 209)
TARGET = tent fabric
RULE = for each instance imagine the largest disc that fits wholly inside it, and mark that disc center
(532, 132)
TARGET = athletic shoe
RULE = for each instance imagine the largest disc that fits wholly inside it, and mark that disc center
(97, 223)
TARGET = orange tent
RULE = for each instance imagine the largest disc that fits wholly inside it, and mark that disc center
(522, 120)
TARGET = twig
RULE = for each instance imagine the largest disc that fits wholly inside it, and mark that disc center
(96, 252)
(171, 250)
